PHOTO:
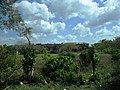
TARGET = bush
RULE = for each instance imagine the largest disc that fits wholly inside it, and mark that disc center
(38, 78)
(84, 58)
(7, 64)
(63, 70)
(112, 80)
(109, 83)
(28, 61)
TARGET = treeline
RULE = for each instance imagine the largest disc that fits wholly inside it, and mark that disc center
(108, 46)
(53, 48)
(103, 46)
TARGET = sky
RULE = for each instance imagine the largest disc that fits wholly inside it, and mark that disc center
(62, 21)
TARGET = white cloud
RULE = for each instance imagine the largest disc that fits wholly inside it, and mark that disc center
(108, 16)
(110, 3)
(12, 40)
(44, 28)
(33, 10)
(81, 30)
(106, 33)
(44, 15)
(37, 16)
(72, 8)
(110, 12)
(67, 38)
(116, 31)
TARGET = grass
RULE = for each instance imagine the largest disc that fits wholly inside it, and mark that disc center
(49, 87)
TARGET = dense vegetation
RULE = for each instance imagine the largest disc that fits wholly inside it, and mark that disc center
(95, 67)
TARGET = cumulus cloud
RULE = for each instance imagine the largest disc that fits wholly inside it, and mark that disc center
(38, 17)
(110, 12)
(33, 10)
(81, 30)
(72, 8)
(44, 28)
(116, 31)
(45, 16)
(108, 16)
(67, 38)
(109, 3)
(106, 33)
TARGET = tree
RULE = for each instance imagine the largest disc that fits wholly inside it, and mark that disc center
(11, 19)
(87, 57)
(9, 16)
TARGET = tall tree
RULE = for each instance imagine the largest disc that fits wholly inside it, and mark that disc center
(11, 19)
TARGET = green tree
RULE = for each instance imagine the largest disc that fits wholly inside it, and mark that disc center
(11, 19)
(9, 16)
(89, 57)
(28, 61)
(7, 64)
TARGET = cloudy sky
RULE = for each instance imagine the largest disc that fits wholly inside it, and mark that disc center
(59, 21)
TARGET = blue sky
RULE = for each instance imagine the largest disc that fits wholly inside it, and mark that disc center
(61, 21)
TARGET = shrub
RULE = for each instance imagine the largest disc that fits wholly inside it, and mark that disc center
(87, 57)
(38, 79)
(28, 61)
(7, 64)
(63, 70)
(112, 80)
(109, 83)
(84, 58)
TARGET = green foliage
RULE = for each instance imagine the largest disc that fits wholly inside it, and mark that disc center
(9, 16)
(7, 64)
(87, 56)
(29, 60)
(70, 54)
(84, 58)
(109, 83)
(111, 79)
(46, 54)
(68, 47)
(48, 87)
(109, 50)
(7, 57)
(62, 69)
(104, 45)
(38, 79)
(116, 64)
(108, 46)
